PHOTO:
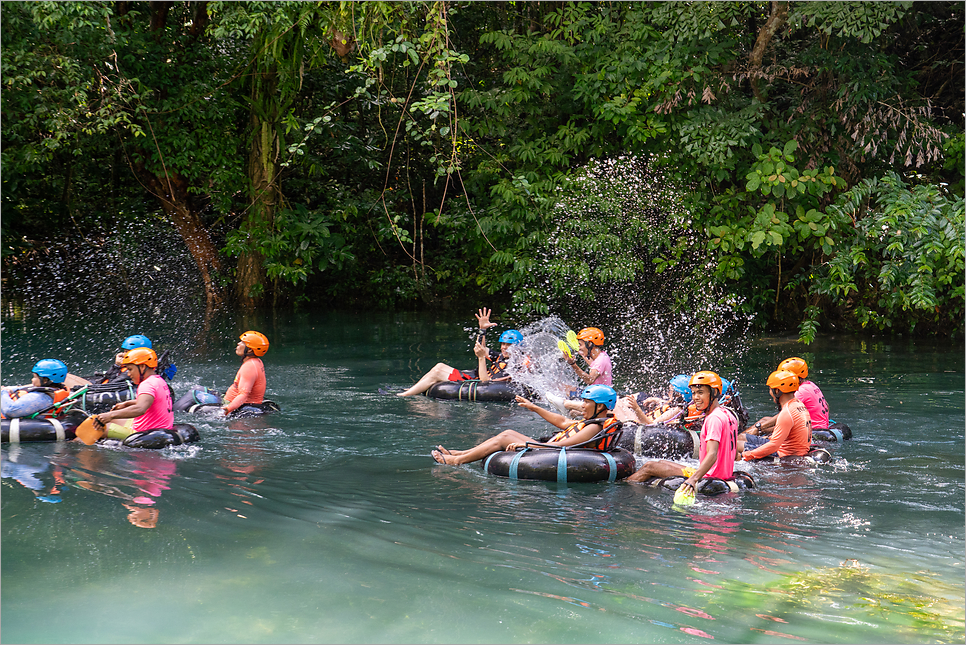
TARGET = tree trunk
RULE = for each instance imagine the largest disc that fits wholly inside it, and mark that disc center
(172, 192)
(777, 18)
(262, 174)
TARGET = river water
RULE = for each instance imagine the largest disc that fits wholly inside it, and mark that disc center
(329, 521)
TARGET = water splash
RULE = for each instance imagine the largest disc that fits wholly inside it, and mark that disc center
(537, 362)
(84, 296)
(612, 227)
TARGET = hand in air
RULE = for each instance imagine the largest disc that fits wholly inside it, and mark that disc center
(524, 403)
(483, 318)
(480, 350)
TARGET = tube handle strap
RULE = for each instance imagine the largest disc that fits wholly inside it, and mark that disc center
(15, 430)
(516, 461)
(612, 466)
(562, 466)
(59, 429)
(696, 441)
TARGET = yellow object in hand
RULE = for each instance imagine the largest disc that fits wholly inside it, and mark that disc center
(684, 496)
(563, 347)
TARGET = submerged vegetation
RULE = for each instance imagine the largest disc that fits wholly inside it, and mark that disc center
(801, 160)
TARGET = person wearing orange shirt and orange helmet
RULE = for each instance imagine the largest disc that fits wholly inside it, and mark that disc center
(792, 434)
(249, 384)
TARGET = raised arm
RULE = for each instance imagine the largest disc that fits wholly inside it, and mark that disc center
(553, 418)
(482, 352)
(483, 318)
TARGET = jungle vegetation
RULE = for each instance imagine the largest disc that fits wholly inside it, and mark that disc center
(805, 159)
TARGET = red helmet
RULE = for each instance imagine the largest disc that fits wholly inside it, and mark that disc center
(710, 379)
(783, 380)
(255, 341)
(140, 356)
(796, 366)
(592, 335)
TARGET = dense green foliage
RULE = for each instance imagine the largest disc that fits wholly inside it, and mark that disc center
(804, 158)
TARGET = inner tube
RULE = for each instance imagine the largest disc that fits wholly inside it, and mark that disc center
(817, 455)
(27, 430)
(708, 486)
(195, 399)
(836, 432)
(576, 465)
(202, 400)
(101, 397)
(255, 409)
(664, 441)
(472, 391)
(182, 433)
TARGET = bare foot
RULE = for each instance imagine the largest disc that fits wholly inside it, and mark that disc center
(440, 458)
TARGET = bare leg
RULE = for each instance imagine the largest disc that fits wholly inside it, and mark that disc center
(488, 447)
(439, 373)
(448, 451)
(660, 468)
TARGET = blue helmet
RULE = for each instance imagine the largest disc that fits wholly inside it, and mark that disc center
(680, 385)
(604, 394)
(725, 387)
(51, 368)
(137, 340)
(511, 336)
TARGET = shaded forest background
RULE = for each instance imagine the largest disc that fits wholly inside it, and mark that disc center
(804, 161)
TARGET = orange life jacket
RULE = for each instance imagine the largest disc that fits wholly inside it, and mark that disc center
(607, 436)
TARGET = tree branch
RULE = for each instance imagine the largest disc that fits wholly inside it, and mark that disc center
(779, 14)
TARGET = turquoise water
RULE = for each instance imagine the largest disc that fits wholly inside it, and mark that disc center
(329, 522)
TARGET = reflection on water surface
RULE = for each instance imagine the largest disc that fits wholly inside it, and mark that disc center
(329, 522)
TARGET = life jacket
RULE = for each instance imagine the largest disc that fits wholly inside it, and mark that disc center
(498, 365)
(57, 394)
(694, 419)
(605, 439)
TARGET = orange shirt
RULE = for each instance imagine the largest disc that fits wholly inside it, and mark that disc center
(249, 385)
(792, 434)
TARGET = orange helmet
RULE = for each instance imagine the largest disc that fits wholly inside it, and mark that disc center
(795, 365)
(783, 380)
(255, 341)
(592, 335)
(140, 356)
(710, 379)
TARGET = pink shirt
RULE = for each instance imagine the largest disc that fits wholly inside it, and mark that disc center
(720, 426)
(160, 414)
(604, 369)
(809, 394)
